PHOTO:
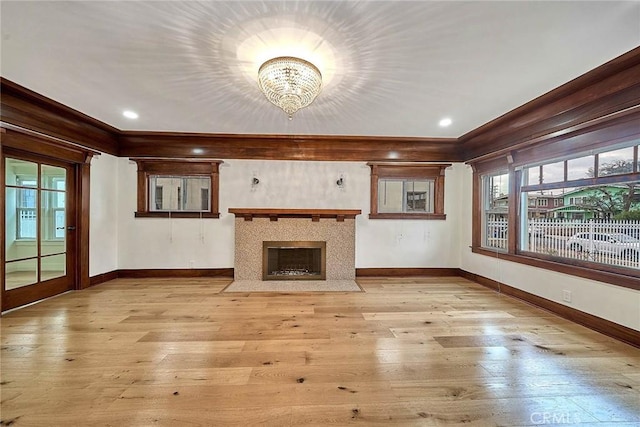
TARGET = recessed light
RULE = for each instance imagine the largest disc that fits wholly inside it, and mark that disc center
(197, 151)
(445, 122)
(130, 114)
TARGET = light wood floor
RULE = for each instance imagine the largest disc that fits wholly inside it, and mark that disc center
(176, 352)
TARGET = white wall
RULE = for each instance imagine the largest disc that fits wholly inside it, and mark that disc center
(103, 224)
(209, 243)
(614, 303)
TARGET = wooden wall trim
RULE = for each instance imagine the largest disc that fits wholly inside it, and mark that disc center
(598, 324)
(406, 272)
(288, 147)
(24, 108)
(610, 88)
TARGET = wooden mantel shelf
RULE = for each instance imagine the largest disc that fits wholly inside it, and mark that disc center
(315, 214)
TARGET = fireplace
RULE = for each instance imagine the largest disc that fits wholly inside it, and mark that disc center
(294, 260)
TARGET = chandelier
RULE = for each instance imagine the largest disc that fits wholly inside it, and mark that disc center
(290, 83)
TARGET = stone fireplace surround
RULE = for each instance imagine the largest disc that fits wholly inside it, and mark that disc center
(336, 227)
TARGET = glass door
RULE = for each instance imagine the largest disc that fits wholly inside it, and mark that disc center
(38, 230)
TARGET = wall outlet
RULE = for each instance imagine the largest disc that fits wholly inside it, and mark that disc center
(192, 264)
(566, 296)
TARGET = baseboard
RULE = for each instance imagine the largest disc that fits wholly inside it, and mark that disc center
(606, 327)
(104, 277)
(176, 272)
(160, 272)
(406, 272)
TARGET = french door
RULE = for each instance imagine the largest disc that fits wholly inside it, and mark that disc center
(39, 228)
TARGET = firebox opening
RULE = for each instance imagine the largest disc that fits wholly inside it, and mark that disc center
(294, 261)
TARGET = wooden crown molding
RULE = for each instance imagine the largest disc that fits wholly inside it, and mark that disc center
(608, 94)
(604, 92)
(288, 147)
(29, 110)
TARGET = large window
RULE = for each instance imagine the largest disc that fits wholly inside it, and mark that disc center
(598, 220)
(578, 213)
(177, 188)
(407, 191)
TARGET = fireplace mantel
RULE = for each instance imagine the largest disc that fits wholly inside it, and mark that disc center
(315, 214)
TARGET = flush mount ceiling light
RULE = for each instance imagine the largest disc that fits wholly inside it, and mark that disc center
(290, 83)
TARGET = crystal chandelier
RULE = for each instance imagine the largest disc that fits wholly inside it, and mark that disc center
(290, 83)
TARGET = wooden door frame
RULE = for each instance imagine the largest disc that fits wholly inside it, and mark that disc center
(29, 144)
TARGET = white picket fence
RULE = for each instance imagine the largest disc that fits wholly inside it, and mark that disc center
(607, 242)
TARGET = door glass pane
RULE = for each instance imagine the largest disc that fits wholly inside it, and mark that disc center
(52, 266)
(52, 225)
(21, 173)
(53, 178)
(20, 273)
(20, 223)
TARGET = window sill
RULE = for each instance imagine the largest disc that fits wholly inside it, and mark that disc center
(615, 276)
(177, 214)
(431, 216)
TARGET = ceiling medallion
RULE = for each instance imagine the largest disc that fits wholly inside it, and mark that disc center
(290, 83)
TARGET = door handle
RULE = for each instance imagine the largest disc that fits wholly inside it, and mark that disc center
(71, 227)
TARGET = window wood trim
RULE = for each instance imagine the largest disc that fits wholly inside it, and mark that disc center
(179, 167)
(389, 170)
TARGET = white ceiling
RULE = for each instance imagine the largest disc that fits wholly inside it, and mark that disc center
(395, 68)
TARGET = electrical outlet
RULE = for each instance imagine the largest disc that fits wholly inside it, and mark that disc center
(566, 296)
(192, 264)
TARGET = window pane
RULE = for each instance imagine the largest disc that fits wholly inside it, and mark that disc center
(580, 168)
(193, 194)
(615, 162)
(534, 176)
(418, 196)
(597, 224)
(390, 195)
(495, 214)
(187, 193)
(553, 172)
(52, 177)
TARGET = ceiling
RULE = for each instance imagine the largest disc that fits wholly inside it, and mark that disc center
(391, 68)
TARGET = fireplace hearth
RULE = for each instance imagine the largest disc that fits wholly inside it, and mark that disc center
(293, 260)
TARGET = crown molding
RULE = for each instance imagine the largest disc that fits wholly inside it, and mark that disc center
(28, 110)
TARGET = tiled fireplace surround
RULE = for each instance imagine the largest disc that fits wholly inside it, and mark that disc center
(254, 226)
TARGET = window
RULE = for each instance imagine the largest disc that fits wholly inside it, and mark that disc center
(407, 191)
(179, 193)
(599, 207)
(178, 188)
(590, 229)
(495, 212)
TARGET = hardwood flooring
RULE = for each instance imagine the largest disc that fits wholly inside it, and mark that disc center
(428, 351)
